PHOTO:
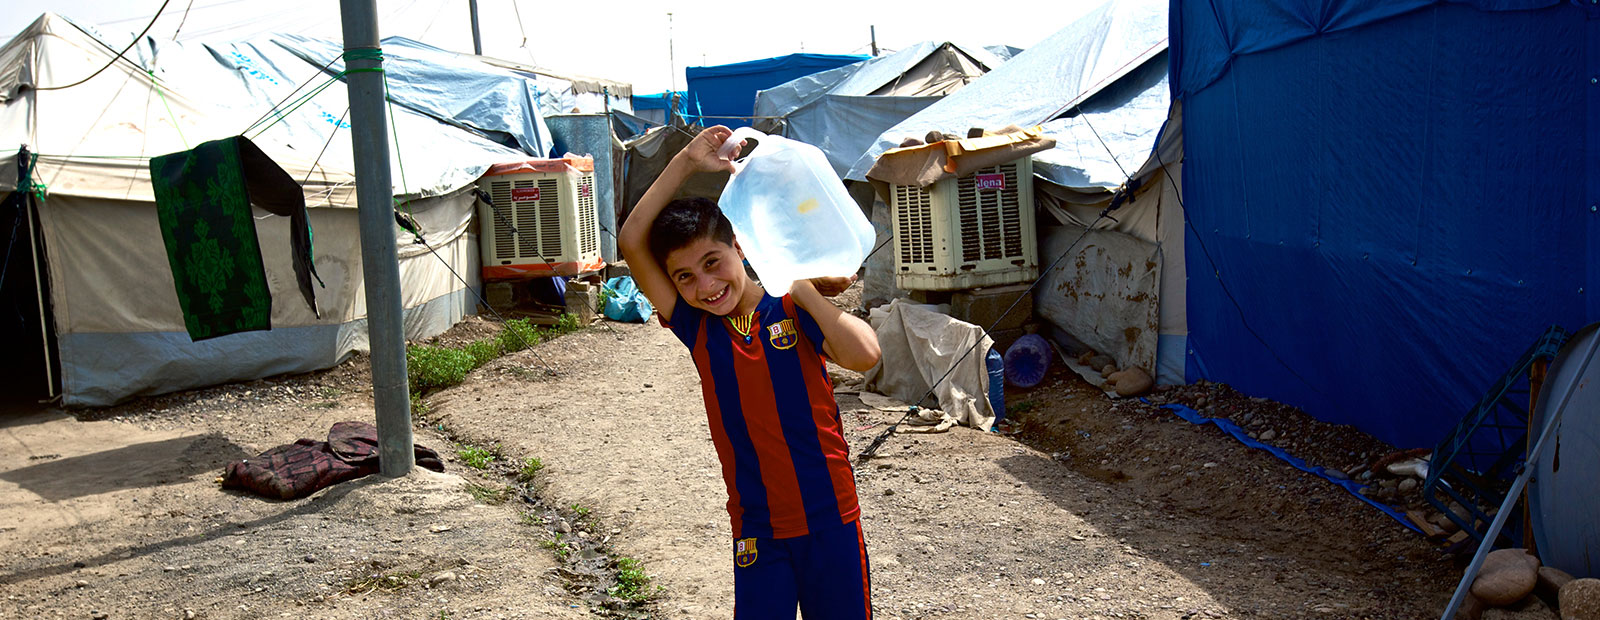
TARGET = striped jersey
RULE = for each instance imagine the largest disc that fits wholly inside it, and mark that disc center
(773, 418)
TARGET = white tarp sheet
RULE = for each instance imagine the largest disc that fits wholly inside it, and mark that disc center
(919, 347)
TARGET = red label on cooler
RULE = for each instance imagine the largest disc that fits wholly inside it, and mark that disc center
(585, 191)
(991, 181)
(524, 193)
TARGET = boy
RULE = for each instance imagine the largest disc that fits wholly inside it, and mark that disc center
(791, 492)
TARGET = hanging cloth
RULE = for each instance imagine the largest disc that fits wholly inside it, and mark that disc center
(203, 199)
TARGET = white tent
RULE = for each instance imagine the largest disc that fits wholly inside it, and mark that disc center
(118, 328)
(842, 110)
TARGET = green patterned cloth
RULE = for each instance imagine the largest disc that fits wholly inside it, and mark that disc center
(203, 198)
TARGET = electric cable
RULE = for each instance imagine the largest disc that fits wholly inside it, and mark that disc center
(132, 43)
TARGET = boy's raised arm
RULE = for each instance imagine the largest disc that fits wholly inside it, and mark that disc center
(700, 155)
(847, 340)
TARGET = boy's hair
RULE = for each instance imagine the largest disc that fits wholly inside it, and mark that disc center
(684, 221)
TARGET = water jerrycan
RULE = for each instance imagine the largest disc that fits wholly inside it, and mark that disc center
(791, 213)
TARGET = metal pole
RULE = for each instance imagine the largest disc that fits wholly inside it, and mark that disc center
(1528, 465)
(477, 43)
(874, 31)
(672, 62)
(25, 160)
(380, 266)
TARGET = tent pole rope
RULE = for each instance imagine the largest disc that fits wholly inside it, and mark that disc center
(287, 97)
(119, 55)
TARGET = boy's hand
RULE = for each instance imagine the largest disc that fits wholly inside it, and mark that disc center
(830, 287)
(701, 152)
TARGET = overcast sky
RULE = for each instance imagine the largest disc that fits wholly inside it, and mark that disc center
(624, 40)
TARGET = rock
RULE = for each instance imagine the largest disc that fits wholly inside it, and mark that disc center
(1444, 523)
(1105, 371)
(441, 578)
(96, 614)
(564, 527)
(1200, 403)
(1208, 465)
(79, 564)
(81, 584)
(1580, 600)
(1084, 357)
(1506, 577)
(888, 491)
(1551, 580)
(1131, 382)
(1269, 435)
(188, 614)
(1471, 608)
(1099, 361)
(1389, 483)
(310, 558)
(1037, 581)
(1336, 474)
(168, 569)
(1408, 485)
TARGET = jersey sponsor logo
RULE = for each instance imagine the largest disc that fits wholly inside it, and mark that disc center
(782, 334)
(744, 552)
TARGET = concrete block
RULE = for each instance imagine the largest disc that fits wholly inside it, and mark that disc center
(583, 301)
(984, 306)
(500, 295)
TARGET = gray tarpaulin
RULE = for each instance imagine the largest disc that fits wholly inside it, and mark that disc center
(920, 346)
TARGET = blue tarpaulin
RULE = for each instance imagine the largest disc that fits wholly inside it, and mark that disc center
(1386, 201)
(726, 94)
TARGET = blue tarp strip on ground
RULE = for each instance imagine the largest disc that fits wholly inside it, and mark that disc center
(1227, 426)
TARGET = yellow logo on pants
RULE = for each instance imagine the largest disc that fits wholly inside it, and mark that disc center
(744, 552)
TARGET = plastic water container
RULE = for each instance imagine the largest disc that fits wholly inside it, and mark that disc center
(791, 213)
(995, 364)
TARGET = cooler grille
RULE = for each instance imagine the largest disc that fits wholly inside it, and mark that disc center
(588, 228)
(991, 220)
(914, 216)
(504, 214)
(549, 228)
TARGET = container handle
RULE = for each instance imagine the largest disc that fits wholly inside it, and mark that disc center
(730, 147)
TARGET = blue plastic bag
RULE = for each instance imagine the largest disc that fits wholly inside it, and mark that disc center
(624, 302)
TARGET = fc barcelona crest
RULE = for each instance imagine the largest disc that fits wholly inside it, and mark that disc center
(744, 552)
(782, 334)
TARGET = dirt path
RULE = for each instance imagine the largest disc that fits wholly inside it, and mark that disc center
(1102, 510)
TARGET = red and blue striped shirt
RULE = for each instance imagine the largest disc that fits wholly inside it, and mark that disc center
(773, 419)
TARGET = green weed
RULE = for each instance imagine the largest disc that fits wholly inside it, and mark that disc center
(434, 368)
(632, 582)
(474, 456)
(518, 335)
(484, 351)
(1021, 407)
(530, 468)
(493, 496)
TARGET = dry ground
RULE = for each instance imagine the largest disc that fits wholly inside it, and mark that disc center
(1087, 509)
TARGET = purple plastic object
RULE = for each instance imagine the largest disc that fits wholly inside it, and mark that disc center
(1027, 361)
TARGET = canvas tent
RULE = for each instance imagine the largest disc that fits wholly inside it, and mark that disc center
(1389, 202)
(1099, 88)
(842, 110)
(118, 328)
(726, 94)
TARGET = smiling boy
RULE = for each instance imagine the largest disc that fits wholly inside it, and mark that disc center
(774, 422)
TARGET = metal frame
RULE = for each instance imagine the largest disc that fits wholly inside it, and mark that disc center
(1493, 431)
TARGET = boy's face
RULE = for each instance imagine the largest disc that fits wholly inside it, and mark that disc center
(709, 274)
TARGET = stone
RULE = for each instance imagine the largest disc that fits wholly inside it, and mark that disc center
(1506, 577)
(309, 558)
(564, 527)
(81, 584)
(1131, 382)
(1269, 435)
(1084, 357)
(1099, 361)
(188, 614)
(1105, 371)
(96, 614)
(1580, 600)
(1551, 580)
(1408, 485)
(1037, 581)
(583, 300)
(1444, 523)
(1471, 608)
(441, 578)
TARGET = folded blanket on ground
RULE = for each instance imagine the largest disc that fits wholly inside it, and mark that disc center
(307, 465)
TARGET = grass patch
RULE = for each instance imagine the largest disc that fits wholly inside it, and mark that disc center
(557, 545)
(433, 368)
(484, 351)
(494, 496)
(632, 583)
(381, 582)
(474, 456)
(530, 468)
(518, 334)
(531, 520)
(1021, 407)
(581, 510)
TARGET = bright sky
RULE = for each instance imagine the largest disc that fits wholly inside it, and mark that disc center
(624, 40)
